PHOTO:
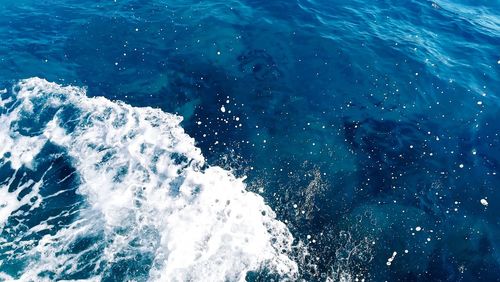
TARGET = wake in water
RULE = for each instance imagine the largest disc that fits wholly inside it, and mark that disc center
(100, 190)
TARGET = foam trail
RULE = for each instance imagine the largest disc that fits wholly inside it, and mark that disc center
(151, 209)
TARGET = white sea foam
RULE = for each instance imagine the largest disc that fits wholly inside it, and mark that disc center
(146, 191)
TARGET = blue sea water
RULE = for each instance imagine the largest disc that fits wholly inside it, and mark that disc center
(332, 140)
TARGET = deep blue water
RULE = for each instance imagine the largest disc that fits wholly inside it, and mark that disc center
(370, 127)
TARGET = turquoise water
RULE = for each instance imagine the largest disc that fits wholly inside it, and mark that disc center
(364, 136)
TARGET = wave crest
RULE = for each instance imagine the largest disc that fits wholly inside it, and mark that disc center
(147, 196)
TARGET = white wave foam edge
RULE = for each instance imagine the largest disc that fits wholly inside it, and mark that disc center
(140, 172)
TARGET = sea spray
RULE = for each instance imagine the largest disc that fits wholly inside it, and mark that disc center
(151, 209)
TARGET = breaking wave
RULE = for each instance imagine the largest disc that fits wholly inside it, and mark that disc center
(100, 190)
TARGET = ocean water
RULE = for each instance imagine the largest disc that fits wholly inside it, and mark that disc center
(300, 140)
